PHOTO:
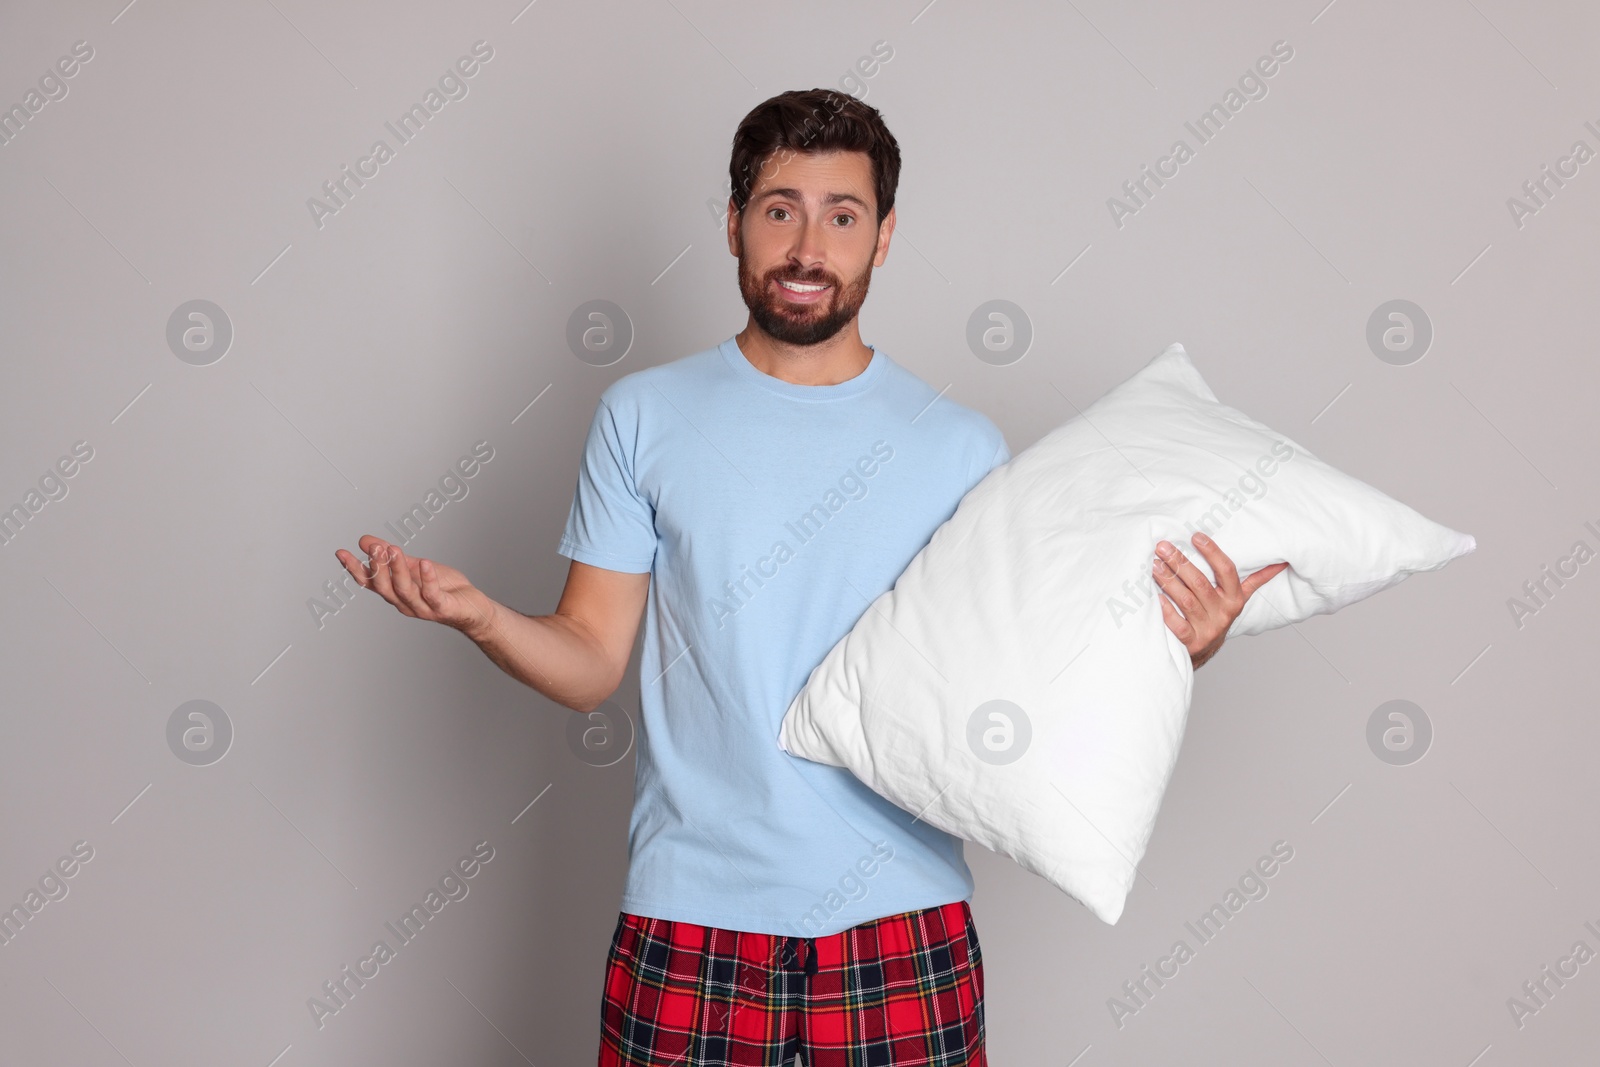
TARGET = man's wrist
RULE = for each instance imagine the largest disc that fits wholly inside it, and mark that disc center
(485, 620)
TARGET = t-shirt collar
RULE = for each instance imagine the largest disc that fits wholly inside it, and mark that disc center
(838, 391)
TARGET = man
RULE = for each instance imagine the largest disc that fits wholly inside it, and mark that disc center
(770, 486)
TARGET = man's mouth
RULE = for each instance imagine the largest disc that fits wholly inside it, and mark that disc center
(804, 291)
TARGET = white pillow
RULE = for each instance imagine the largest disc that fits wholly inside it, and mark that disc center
(1018, 686)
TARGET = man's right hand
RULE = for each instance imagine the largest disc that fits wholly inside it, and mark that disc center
(576, 656)
(419, 588)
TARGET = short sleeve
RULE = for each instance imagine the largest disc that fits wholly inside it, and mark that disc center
(989, 452)
(610, 524)
(986, 453)
(1002, 455)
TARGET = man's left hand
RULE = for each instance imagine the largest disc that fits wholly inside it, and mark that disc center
(1203, 611)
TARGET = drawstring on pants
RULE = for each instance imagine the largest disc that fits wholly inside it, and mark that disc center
(805, 950)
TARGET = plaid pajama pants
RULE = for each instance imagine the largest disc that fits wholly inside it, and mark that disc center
(905, 990)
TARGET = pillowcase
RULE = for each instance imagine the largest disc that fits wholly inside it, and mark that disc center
(1018, 686)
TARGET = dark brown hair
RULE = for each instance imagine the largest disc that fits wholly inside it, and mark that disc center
(813, 120)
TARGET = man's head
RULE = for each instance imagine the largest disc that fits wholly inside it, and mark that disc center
(814, 176)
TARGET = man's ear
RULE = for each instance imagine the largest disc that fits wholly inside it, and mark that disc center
(885, 231)
(733, 227)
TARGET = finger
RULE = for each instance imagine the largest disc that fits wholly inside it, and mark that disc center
(1176, 623)
(1262, 577)
(1199, 585)
(1227, 574)
(1177, 589)
(369, 544)
(357, 569)
(432, 593)
(404, 587)
(378, 563)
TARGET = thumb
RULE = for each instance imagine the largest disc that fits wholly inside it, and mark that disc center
(434, 596)
(1263, 576)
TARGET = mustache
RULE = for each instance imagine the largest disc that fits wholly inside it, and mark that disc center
(814, 279)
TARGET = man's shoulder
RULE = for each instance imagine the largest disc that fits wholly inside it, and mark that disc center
(949, 417)
(644, 386)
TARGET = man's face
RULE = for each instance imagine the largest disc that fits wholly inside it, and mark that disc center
(810, 221)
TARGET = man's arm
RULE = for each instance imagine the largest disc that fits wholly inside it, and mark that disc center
(576, 656)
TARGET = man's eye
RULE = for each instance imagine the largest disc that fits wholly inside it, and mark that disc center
(777, 211)
(847, 218)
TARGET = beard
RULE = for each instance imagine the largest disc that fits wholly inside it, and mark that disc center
(802, 324)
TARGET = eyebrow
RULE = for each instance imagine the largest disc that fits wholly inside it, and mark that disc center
(831, 198)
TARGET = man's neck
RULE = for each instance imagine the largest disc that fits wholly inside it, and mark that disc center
(838, 359)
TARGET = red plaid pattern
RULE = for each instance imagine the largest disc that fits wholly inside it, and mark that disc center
(905, 990)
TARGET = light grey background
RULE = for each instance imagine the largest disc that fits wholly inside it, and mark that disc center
(431, 311)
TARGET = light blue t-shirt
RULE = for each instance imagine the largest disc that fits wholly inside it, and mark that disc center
(770, 515)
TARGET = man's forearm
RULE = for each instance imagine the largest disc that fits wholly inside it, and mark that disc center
(554, 654)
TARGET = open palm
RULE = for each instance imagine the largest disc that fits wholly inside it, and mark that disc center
(418, 587)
